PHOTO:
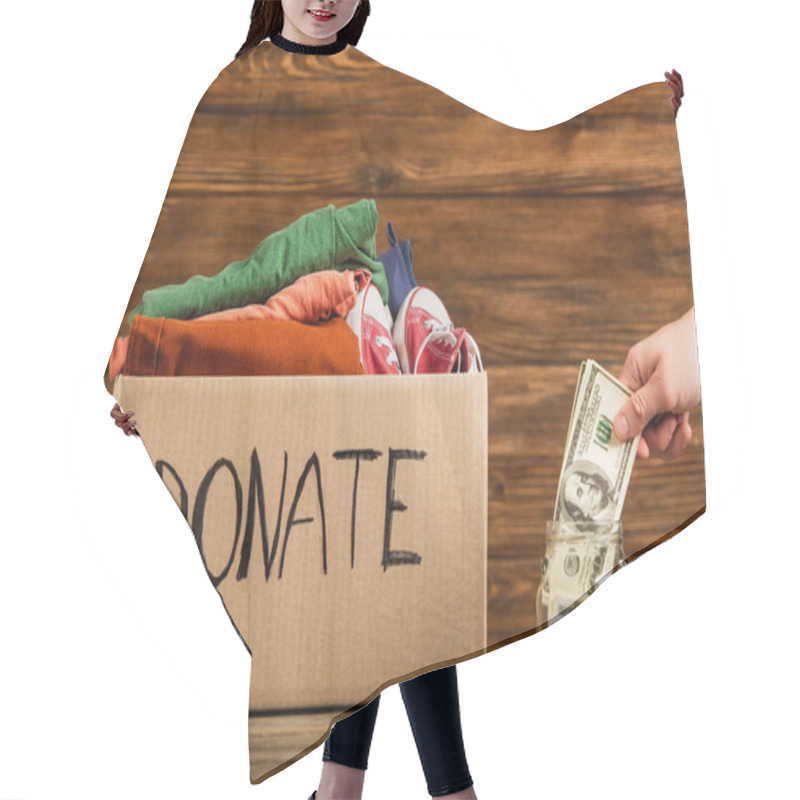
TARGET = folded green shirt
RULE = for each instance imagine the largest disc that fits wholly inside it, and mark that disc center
(328, 238)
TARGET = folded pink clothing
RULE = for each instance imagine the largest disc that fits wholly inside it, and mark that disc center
(317, 297)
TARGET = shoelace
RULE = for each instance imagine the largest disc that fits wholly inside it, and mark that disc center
(438, 332)
(391, 356)
(472, 348)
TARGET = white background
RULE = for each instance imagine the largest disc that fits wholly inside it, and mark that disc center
(121, 674)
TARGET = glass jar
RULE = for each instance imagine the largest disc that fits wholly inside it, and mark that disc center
(578, 557)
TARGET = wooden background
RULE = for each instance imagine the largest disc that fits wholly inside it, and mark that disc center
(549, 246)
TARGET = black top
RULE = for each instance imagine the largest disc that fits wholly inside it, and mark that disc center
(318, 49)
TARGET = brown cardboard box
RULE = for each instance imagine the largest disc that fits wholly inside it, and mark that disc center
(372, 494)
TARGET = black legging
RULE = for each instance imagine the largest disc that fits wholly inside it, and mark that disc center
(432, 706)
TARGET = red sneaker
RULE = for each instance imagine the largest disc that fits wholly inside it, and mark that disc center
(424, 335)
(370, 320)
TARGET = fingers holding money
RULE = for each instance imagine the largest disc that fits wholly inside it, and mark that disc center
(648, 400)
(664, 433)
(662, 371)
(666, 436)
(680, 440)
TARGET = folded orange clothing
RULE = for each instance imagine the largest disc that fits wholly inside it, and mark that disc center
(311, 298)
(167, 347)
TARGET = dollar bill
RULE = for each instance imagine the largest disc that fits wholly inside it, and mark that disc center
(597, 466)
(585, 541)
(572, 416)
(573, 565)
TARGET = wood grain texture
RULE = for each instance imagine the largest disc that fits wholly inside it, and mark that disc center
(278, 740)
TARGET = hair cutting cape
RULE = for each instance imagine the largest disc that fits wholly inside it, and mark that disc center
(361, 529)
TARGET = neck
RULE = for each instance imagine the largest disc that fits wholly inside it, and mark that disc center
(294, 34)
(331, 47)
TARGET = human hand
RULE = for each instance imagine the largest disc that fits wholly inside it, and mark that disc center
(663, 372)
(675, 82)
(122, 419)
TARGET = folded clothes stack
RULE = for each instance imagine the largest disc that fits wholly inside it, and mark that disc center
(309, 300)
(252, 340)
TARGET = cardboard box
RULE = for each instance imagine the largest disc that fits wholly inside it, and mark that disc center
(343, 520)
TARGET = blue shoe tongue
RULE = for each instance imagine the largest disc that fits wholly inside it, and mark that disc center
(409, 259)
(394, 265)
